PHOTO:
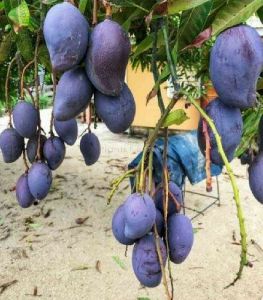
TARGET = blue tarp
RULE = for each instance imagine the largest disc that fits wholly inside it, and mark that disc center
(184, 159)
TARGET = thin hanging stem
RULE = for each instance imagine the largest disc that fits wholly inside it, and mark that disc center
(22, 78)
(95, 13)
(168, 54)
(207, 157)
(108, 8)
(25, 160)
(155, 68)
(152, 137)
(37, 94)
(53, 100)
(7, 96)
(89, 118)
(116, 183)
(150, 174)
(156, 235)
(166, 200)
(240, 214)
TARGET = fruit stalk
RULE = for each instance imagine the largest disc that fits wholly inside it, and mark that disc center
(240, 214)
(207, 158)
(155, 68)
(156, 235)
(166, 200)
(22, 79)
(152, 137)
(8, 108)
(108, 8)
(53, 100)
(25, 160)
(95, 13)
(37, 93)
(118, 181)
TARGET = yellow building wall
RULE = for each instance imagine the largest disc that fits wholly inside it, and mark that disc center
(141, 84)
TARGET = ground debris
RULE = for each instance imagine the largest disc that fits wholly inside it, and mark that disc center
(81, 268)
(4, 286)
(80, 221)
(35, 293)
(98, 266)
(4, 232)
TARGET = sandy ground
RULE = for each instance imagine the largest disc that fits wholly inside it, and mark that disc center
(43, 248)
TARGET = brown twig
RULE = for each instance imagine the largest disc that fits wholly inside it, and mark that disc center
(165, 202)
(207, 157)
(89, 118)
(95, 13)
(25, 160)
(8, 108)
(53, 100)
(22, 78)
(156, 235)
(176, 202)
(108, 8)
(30, 94)
(4, 286)
(158, 249)
(37, 94)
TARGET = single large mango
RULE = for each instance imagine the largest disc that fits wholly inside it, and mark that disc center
(66, 35)
(107, 57)
(235, 65)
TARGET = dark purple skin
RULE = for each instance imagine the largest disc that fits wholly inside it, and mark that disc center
(54, 151)
(229, 124)
(11, 145)
(39, 180)
(159, 221)
(73, 94)
(31, 147)
(116, 112)
(67, 130)
(90, 148)
(107, 70)
(66, 33)
(235, 65)
(177, 193)
(180, 237)
(118, 223)
(145, 261)
(140, 215)
(255, 172)
(25, 117)
(23, 195)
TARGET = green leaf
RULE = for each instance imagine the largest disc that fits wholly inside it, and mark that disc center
(146, 44)
(6, 46)
(83, 5)
(260, 84)
(24, 44)
(192, 23)
(233, 13)
(176, 117)
(20, 15)
(176, 6)
(126, 25)
(260, 14)
(2, 6)
(119, 262)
